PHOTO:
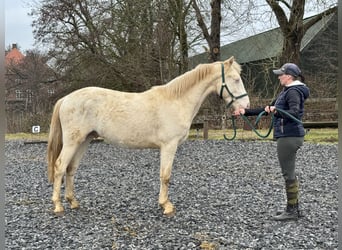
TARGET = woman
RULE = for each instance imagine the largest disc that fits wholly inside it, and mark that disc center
(288, 133)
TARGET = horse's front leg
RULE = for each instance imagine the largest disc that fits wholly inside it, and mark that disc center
(167, 155)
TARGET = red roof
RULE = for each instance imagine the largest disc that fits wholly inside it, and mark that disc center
(14, 56)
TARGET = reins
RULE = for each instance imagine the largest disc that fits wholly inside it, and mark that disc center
(253, 127)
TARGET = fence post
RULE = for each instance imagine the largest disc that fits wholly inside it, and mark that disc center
(205, 125)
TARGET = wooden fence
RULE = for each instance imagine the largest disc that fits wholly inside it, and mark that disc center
(319, 113)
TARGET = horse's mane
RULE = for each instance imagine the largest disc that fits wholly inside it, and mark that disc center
(179, 85)
(182, 83)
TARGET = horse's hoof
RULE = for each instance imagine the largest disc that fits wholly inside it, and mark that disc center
(59, 214)
(59, 210)
(74, 205)
(170, 214)
(169, 210)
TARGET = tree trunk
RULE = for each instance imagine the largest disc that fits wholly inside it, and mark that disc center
(215, 54)
(291, 47)
(293, 28)
(213, 39)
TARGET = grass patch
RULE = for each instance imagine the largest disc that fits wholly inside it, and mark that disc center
(321, 136)
(27, 136)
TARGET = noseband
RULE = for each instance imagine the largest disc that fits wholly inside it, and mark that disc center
(224, 86)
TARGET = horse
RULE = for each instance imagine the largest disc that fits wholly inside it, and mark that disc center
(159, 117)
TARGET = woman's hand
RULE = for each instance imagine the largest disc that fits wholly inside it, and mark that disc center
(270, 109)
(239, 112)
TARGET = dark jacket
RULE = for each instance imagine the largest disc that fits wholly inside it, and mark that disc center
(291, 100)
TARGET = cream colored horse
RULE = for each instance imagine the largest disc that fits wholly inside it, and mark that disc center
(157, 118)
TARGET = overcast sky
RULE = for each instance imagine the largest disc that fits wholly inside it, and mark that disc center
(18, 24)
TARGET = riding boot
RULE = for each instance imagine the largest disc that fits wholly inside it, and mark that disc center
(292, 209)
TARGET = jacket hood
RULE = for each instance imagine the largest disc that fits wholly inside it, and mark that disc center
(301, 87)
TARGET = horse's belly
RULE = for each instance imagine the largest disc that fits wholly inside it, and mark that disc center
(133, 144)
(131, 141)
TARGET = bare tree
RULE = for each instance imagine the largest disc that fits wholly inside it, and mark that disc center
(212, 36)
(117, 44)
(30, 84)
(292, 26)
(120, 44)
(179, 10)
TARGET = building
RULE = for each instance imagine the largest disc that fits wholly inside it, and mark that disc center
(29, 85)
(259, 54)
(16, 99)
(14, 56)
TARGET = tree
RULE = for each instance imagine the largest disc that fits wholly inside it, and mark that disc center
(292, 26)
(123, 45)
(179, 12)
(213, 36)
(30, 83)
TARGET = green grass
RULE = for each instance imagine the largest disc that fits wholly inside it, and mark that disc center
(321, 136)
(26, 136)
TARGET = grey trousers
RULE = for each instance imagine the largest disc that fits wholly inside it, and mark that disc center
(287, 148)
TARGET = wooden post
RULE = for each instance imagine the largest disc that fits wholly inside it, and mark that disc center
(205, 125)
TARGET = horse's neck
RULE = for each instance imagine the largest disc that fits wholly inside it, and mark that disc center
(189, 90)
(197, 96)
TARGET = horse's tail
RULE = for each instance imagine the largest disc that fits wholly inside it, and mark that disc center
(55, 141)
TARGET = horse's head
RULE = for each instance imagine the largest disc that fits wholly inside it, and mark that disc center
(230, 87)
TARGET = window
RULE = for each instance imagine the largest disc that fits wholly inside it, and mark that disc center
(19, 94)
(51, 92)
(17, 81)
(29, 95)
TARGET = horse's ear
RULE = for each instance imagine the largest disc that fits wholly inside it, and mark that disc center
(229, 61)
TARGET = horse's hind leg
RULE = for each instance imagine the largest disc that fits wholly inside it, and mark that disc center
(167, 155)
(70, 173)
(63, 161)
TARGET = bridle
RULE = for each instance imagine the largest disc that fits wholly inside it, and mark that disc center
(224, 86)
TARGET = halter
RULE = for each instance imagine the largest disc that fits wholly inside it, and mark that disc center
(224, 86)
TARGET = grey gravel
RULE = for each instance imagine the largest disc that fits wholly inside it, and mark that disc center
(224, 192)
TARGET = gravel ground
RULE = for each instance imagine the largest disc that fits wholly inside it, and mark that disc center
(224, 193)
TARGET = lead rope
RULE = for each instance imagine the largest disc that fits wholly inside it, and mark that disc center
(233, 125)
(253, 127)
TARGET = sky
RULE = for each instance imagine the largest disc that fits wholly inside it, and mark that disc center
(18, 24)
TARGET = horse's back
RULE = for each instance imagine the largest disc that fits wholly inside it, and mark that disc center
(130, 119)
(93, 105)
(96, 99)
(95, 93)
